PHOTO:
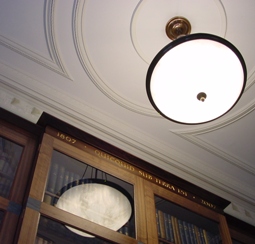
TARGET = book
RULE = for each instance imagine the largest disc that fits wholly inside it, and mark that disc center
(192, 233)
(187, 232)
(60, 179)
(52, 179)
(157, 221)
(171, 233)
(161, 224)
(181, 231)
(202, 239)
(177, 237)
(166, 226)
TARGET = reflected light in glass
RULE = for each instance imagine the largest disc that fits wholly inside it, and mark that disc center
(99, 203)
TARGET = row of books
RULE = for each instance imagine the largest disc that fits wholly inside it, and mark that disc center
(9, 160)
(41, 240)
(7, 172)
(59, 178)
(10, 154)
(124, 230)
(177, 231)
(5, 185)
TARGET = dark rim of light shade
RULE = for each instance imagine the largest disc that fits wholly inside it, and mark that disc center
(97, 181)
(179, 41)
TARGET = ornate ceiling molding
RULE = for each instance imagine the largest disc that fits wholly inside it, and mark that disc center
(51, 36)
(141, 34)
(54, 64)
(81, 49)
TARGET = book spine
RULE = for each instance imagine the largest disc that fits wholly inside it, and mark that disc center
(162, 224)
(65, 182)
(181, 231)
(206, 237)
(60, 180)
(166, 226)
(52, 178)
(192, 234)
(171, 233)
(186, 232)
(197, 235)
(157, 221)
(177, 235)
(201, 233)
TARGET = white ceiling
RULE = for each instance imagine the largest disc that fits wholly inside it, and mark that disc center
(85, 62)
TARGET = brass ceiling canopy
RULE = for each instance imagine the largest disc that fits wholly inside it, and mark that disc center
(177, 27)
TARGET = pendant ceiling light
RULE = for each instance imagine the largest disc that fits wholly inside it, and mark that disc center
(196, 78)
(99, 201)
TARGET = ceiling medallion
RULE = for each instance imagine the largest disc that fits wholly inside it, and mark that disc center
(196, 78)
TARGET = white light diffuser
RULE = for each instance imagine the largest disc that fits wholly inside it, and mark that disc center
(189, 66)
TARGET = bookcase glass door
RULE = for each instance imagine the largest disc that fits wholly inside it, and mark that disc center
(1, 217)
(10, 154)
(178, 225)
(68, 174)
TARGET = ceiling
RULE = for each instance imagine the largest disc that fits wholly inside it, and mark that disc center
(85, 62)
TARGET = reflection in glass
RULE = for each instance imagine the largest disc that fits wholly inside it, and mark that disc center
(236, 242)
(1, 217)
(176, 224)
(68, 174)
(10, 154)
(50, 232)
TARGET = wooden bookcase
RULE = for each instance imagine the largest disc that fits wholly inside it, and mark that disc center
(17, 151)
(146, 188)
(28, 214)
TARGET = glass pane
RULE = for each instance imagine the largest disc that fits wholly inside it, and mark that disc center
(50, 232)
(178, 225)
(236, 242)
(82, 190)
(1, 217)
(10, 154)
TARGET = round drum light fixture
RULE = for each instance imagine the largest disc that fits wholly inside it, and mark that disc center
(99, 201)
(196, 78)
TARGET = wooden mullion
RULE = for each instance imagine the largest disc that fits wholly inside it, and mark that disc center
(42, 168)
(29, 227)
(22, 175)
(84, 225)
(140, 211)
(224, 230)
(150, 213)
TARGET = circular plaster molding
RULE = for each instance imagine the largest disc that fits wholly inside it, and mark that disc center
(146, 40)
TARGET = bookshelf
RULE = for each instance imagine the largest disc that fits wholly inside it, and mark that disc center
(179, 225)
(62, 158)
(189, 221)
(61, 165)
(17, 150)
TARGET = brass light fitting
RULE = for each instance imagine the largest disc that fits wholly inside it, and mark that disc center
(177, 27)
